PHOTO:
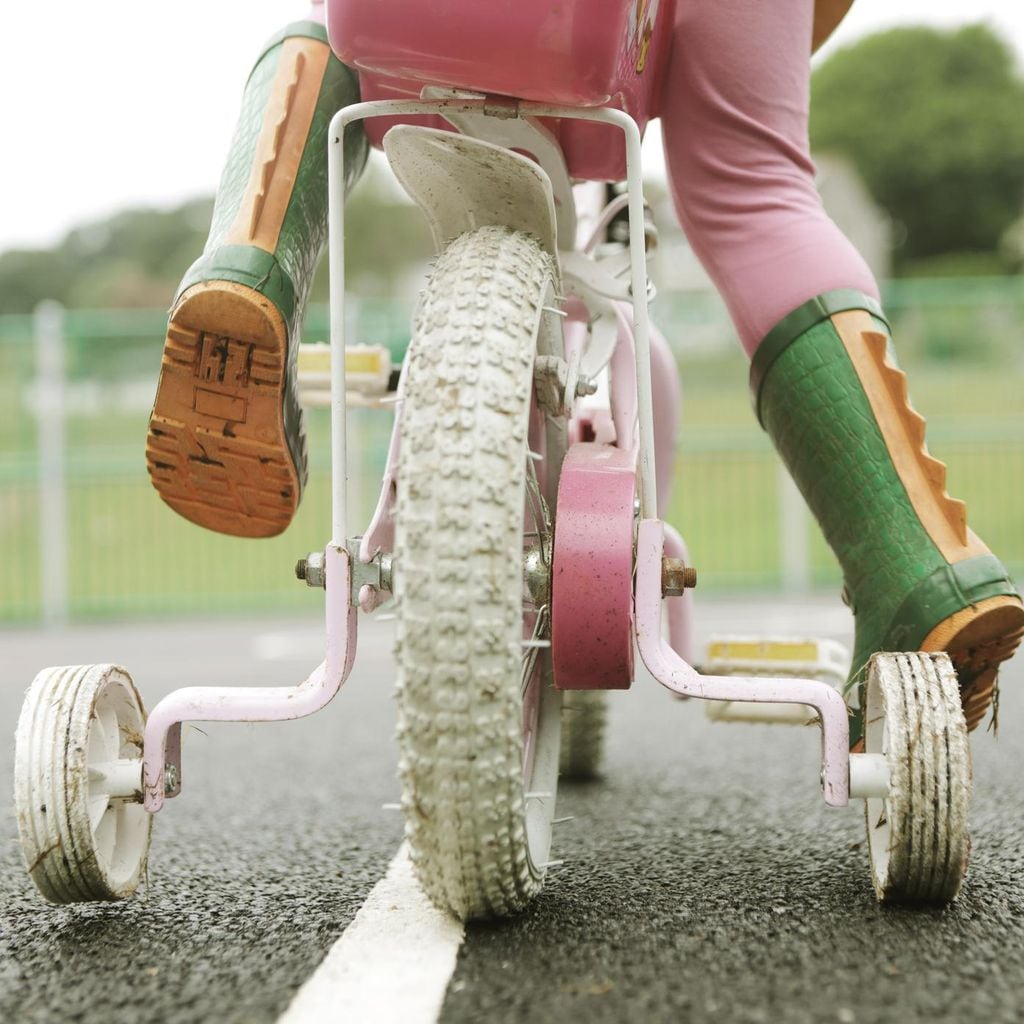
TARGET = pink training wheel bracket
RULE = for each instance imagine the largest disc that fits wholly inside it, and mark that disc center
(592, 570)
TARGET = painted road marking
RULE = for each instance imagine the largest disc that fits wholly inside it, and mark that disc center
(392, 963)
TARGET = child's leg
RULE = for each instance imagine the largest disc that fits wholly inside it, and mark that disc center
(826, 385)
(735, 128)
(226, 446)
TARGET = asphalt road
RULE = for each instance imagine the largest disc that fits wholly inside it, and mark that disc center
(703, 878)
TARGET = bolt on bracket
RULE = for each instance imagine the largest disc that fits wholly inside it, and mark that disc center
(312, 570)
(676, 577)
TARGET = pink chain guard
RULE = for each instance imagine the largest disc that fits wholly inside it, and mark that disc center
(592, 570)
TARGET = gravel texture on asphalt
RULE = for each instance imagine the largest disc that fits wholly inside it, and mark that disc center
(255, 869)
(704, 879)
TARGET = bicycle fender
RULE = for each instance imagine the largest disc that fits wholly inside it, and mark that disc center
(462, 184)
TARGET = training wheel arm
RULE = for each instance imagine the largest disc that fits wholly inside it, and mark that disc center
(676, 675)
(162, 746)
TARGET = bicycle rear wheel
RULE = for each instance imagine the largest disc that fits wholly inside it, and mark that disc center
(478, 473)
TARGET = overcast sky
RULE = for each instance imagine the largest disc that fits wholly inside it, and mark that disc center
(124, 102)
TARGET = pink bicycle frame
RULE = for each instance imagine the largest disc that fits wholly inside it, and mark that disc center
(162, 754)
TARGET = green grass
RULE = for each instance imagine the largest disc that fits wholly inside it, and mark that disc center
(130, 555)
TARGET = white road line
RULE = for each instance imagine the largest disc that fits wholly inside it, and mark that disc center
(392, 963)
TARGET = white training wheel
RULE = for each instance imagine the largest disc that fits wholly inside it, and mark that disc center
(917, 835)
(78, 784)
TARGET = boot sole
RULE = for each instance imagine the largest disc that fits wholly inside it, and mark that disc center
(217, 450)
(978, 640)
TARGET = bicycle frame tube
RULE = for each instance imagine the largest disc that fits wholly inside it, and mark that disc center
(336, 256)
(676, 675)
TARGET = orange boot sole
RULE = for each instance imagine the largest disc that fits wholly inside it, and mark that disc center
(217, 449)
(978, 640)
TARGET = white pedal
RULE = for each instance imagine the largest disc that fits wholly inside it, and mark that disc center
(367, 374)
(773, 657)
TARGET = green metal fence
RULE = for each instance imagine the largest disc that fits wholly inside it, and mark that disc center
(125, 554)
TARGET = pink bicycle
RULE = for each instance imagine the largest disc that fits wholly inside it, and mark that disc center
(519, 528)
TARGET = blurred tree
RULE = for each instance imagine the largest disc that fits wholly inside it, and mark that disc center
(29, 276)
(933, 121)
(132, 259)
(1012, 245)
(137, 257)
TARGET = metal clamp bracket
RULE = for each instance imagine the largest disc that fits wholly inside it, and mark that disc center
(375, 573)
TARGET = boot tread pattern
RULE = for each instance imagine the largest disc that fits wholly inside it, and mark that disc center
(216, 449)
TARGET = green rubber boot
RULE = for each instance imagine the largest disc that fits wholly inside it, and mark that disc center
(830, 396)
(226, 445)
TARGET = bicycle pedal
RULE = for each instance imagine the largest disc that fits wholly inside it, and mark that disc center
(368, 373)
(828, 661)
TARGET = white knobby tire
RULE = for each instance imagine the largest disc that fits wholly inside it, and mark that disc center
(80, 738)
(917, 836)
(584, 718)
(478, 723)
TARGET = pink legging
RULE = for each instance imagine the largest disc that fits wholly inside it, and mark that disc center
(734, 120)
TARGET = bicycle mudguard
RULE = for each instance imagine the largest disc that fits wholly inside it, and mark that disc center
(462, 184)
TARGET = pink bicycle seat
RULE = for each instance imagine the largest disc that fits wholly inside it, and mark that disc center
(573, 53)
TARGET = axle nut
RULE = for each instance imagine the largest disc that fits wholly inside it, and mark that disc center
(312, 569)
(676, 577)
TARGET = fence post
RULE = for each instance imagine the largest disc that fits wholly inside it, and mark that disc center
(794, 535)
(48, 330)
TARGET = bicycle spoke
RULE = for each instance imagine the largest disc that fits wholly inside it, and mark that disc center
(530, 654)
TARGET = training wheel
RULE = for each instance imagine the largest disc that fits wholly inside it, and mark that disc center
(917, 835)
(78, 784)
